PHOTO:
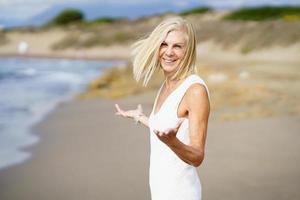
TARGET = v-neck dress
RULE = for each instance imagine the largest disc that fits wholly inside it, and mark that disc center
(170, 178)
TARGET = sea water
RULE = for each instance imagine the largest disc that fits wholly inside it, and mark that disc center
(29, 89)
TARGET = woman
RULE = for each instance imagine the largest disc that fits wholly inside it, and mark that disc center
(178, 121)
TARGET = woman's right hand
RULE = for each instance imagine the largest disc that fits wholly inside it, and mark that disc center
(137, 115)
(134, 114)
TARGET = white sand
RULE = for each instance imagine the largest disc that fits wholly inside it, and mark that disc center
(86, 152)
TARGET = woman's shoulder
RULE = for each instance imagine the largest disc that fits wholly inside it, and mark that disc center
(196, 77)
(197, 88)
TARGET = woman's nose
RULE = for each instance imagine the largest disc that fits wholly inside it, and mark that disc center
(169, 51)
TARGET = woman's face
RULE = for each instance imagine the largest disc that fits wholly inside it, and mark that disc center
(172, 51)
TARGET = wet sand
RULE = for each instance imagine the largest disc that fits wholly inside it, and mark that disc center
(86, 152)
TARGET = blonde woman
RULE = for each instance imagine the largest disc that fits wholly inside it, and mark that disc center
(178, 121)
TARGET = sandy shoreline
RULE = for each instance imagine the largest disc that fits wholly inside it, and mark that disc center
(86, 152)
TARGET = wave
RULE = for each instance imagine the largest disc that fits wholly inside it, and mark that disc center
(30, 89)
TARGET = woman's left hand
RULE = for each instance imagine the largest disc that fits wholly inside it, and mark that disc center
(168, 136)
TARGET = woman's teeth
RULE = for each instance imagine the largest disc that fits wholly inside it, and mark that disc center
(169, 61)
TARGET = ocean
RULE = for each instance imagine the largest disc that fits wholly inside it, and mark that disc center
(29, 89)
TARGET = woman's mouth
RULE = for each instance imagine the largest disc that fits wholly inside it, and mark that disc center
(169, 61)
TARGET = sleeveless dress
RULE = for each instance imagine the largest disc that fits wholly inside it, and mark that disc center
(170, 178)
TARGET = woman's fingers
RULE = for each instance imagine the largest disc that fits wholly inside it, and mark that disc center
(129, 113)
(158, 133)
(119, 111)
(139, 108)
(167, 131)
(175, 129)
(118, 108)
(179, 124)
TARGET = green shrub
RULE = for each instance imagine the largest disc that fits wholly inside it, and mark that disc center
(68, 16)
(291, 18)
(197, 10)
(263, 13)
(105, 20)
(100, 21)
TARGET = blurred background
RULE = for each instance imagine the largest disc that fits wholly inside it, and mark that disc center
(79, 53)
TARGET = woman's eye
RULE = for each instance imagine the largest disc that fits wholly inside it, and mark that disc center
(163, 44)
(177, 46)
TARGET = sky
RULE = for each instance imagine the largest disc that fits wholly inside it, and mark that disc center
(22, 10)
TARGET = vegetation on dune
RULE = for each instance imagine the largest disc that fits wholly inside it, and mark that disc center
(250, 36)
(118, 82)
(102, 20)
(265, 13)
(100, 36)
(197, 10)
(118, 31)
(67, 16)
(227, 33)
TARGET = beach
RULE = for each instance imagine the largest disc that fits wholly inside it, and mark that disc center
(86, 152)
(83, 151)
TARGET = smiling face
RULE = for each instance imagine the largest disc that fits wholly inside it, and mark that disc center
(172, 51)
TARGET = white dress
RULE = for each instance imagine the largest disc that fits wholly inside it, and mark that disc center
(170, 178)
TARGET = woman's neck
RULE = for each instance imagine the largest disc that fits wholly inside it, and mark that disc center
(171, 83)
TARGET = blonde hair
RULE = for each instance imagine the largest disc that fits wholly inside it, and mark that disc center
(146, 51)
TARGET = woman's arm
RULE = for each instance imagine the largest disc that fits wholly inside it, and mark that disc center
(143, 119)
(197, 105)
